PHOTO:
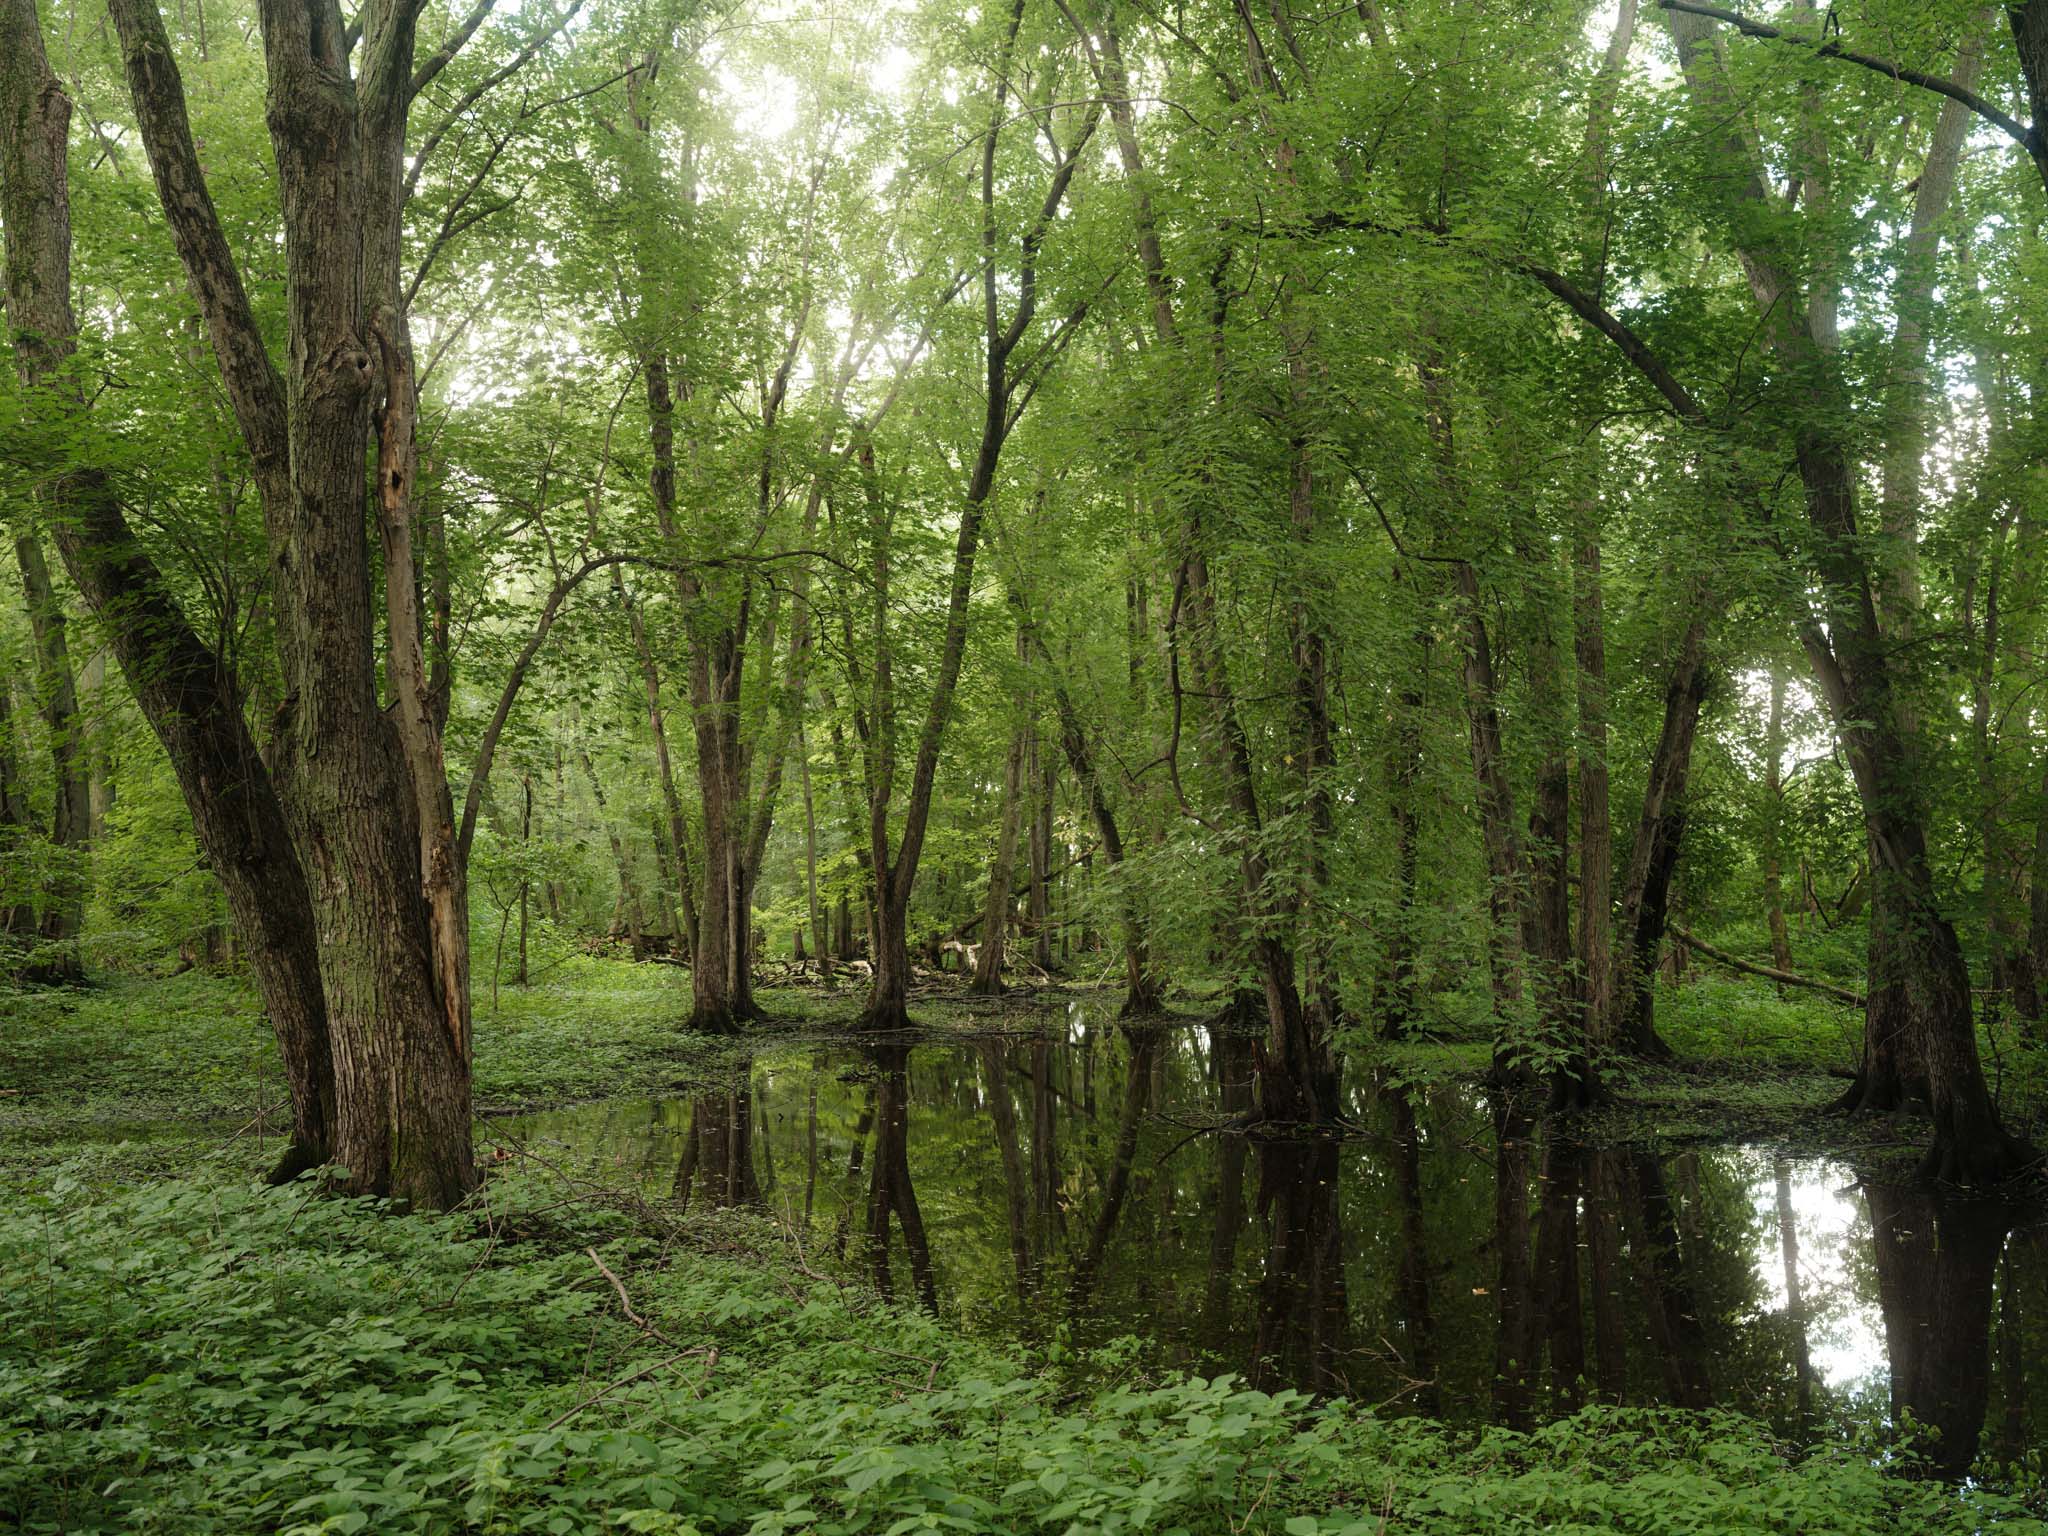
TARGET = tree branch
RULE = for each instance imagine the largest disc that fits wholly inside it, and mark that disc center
(2027, 138)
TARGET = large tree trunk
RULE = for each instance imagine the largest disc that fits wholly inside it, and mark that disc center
(1920, 987)
(363, 790)
(188, 697)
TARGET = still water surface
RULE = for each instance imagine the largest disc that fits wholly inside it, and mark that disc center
(1444, 1257)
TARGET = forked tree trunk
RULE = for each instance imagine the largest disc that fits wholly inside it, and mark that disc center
(363, 789)
(189, 698)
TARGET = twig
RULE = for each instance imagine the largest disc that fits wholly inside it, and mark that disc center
(626, 1304)
(626, 1381)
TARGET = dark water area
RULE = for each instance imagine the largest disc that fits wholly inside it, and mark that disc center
(1446, 1256)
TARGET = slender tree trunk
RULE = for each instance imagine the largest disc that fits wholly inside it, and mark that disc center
(995, 911)
(63, 902)
(17, 910)
(525, 880)
(1041, 770)
(1596, 827)
(629, 888)
(1774, 825)
(821, 938)
(1653, 859)
(678, 840)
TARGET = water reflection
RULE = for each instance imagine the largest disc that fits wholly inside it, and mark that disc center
(1448, 1255)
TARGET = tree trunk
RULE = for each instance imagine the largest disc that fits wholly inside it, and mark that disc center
(190, 700)
(1143, 990)
(1653, 859)
(1596, 827)
(525, 880)
(995, 911)
(1919, 987)
(1398, 1004)
(1041, 770)
(821, 938)
(629, 888)
(63, 901)
(1774, 825)
(363, 789)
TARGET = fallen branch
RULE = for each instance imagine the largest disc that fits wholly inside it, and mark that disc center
(1769, 973)
(626, 1304)
(626, 1381)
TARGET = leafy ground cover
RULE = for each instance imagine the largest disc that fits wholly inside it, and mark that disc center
(182, 1351)
(197, 1355)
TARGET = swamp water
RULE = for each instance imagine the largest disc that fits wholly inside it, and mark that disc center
(1442, 1257)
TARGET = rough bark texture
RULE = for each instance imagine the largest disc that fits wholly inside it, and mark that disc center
(362, 791)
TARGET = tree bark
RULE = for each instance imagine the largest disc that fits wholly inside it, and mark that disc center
(363, 791)
(995, 911)
(189, 697)
(1653, 858)
(63, 901)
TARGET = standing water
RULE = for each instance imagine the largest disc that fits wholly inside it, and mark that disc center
(1442, 1256)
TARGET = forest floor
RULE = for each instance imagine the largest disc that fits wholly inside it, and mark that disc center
(188, 1065)
(183, 1351)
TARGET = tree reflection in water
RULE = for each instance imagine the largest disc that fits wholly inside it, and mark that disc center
(1440, 1252)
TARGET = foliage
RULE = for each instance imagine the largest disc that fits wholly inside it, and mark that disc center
(200, 1356)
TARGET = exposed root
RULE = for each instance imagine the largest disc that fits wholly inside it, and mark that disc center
(298, 1158)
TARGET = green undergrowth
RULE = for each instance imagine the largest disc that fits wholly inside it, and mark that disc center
(200, 1356)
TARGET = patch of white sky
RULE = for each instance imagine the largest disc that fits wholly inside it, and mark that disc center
(772, 113)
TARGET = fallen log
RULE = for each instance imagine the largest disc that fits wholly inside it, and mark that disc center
(1768, 972)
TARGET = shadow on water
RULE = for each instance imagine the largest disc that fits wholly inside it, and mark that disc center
(1449, 1255)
